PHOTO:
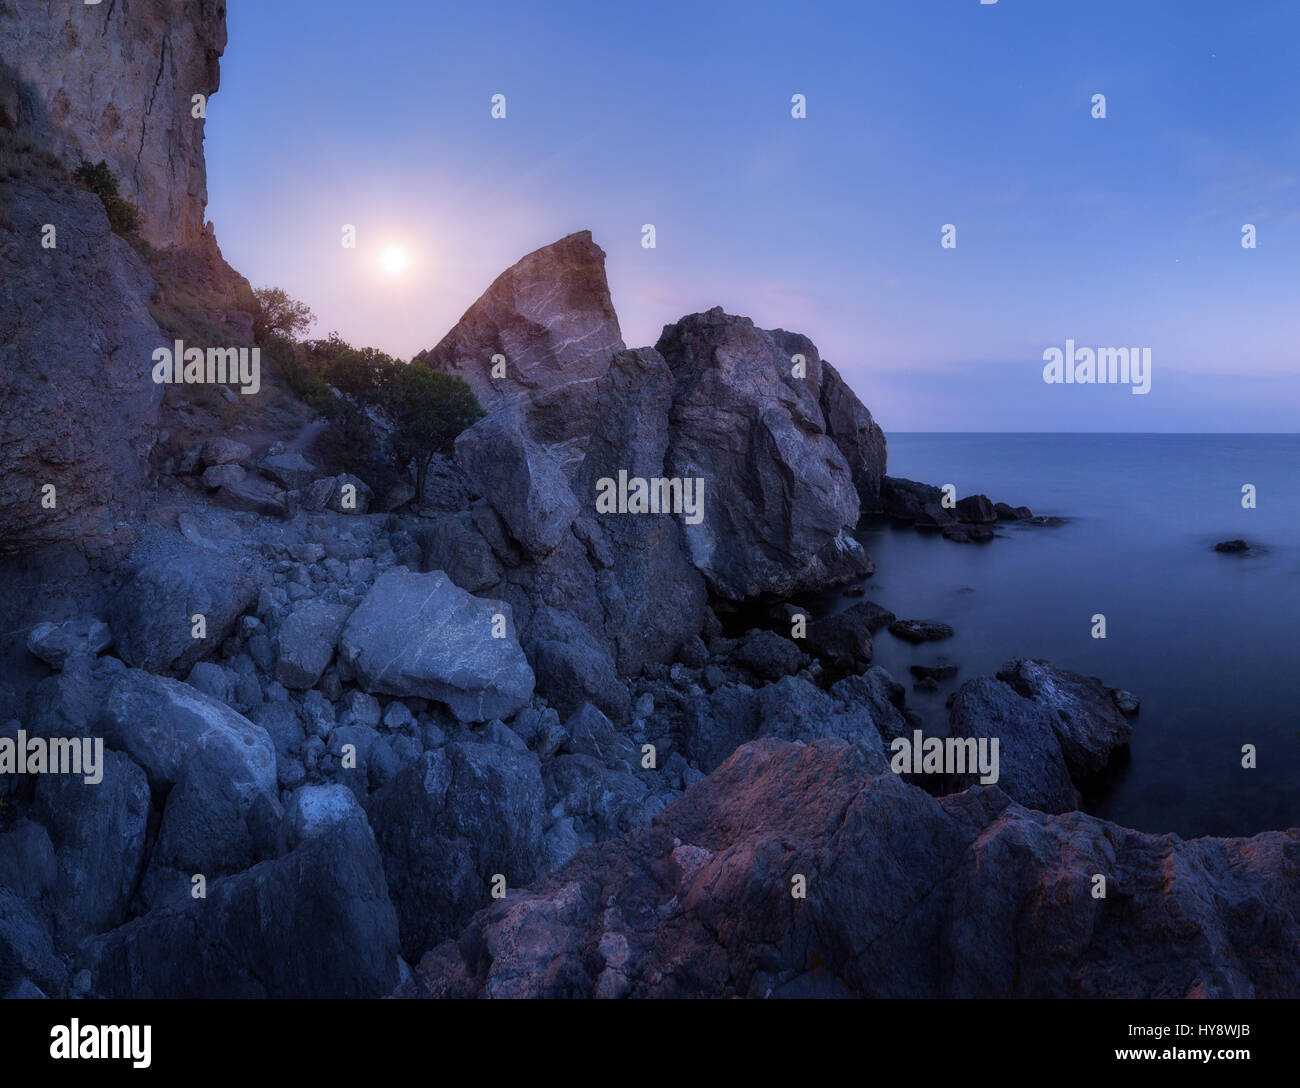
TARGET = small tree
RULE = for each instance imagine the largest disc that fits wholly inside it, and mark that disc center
(281, 315)
(428, 410)
(123, 216)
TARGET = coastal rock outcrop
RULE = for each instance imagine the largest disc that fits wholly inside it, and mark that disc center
(907, 895)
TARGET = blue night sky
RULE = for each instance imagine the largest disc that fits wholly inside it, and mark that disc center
(1122, 231)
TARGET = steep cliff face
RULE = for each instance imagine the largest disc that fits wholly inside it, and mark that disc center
(80, 307)
(115, 81)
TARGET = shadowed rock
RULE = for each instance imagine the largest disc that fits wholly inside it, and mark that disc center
(969, 895)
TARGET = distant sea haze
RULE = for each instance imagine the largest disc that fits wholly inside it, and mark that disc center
(1207, 640)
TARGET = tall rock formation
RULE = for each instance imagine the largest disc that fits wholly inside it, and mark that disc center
(115, 81)
(600, 592)
(79, 318)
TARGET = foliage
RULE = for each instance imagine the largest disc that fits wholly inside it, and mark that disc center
(123, 216)
(281, 315)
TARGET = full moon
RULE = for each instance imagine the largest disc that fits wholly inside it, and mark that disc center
(394, 260)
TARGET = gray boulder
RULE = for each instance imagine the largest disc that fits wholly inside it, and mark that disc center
(1086, 715)
(306, 642)
(217, 769)
(54, 643)
(420, 635)
(744, 425)
(550, 316)
(447, 824)
(907, 896)
(1031, 767)
(314, 923)
(98, 833)
(151, 615)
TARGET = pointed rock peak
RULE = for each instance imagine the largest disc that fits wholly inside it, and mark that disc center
(545, 322)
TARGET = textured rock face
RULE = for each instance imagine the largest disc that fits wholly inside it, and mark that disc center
(420, 635)
(779, 498)
(314, 923)
(75, 340)
(716, 401)
(907, 896)
(550, 315)
(449, 822)
(152, 614)
(114, 81)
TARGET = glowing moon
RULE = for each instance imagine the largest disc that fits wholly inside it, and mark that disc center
(394, 260)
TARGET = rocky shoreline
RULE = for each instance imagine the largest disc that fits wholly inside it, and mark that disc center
(499, 738)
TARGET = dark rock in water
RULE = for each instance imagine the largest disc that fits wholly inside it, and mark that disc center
(844, 639)
(933, 515)
(1031, 767)
(968, 534)
(926, 683)
(1047, 521)
(446, 825)
(1006, 512)
(920, 630)
(1126, 701)
(905, 500)
(1232, 547)
(933, 672)
(767, 655)
(976, 510)
(699, 903)
(314, 923)
(1085, 714)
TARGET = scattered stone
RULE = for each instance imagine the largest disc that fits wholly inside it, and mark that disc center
(920, 630)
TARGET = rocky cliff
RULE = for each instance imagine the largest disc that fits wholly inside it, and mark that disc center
(115, 81)
(81, 307)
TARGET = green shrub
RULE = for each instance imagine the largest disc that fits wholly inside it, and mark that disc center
(123, 216)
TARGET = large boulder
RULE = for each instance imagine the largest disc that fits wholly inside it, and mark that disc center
(448, 824)
(1031, 768)
(848, 422)
(523, 482)
(152, 615)
(216, 769)
(421, 635)
(745, 426)
(314, 923)
(98, 833)
(905, 896)
(306, 642)
(1085, 713)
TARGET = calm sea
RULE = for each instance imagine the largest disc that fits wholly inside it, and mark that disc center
(1208, 641)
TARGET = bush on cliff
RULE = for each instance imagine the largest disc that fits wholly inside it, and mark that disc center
(123, 216)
